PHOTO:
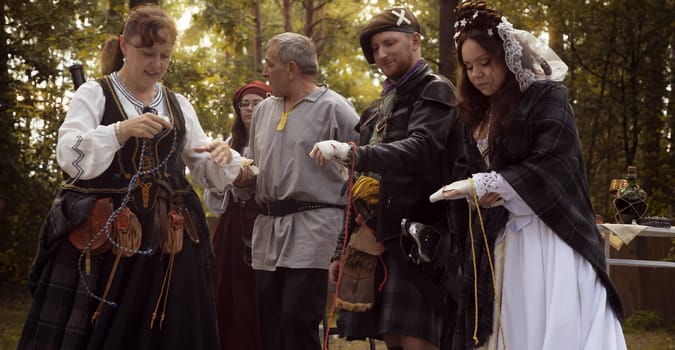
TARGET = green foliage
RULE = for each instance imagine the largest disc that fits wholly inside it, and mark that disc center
(620, 71)
(618, 85)
(34, 81)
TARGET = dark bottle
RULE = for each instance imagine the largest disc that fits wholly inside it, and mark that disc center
(631, 202)
(632, 192)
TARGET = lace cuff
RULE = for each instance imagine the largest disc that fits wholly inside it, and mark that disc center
(487, 182)
(495, 182)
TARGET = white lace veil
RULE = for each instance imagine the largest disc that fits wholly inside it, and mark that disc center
(528, 57)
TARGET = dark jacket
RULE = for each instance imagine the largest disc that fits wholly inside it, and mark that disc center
(416, 154)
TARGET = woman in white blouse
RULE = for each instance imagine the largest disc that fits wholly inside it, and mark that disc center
(124, 254)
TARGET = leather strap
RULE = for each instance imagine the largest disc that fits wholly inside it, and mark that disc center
(290, 206)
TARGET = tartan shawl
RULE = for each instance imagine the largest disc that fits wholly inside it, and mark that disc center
(540, 157)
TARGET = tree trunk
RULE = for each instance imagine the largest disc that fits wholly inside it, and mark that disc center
(308, 5)
(288, 15)
(257, 37)
(447, 63)
(555, 25)
(670, 132)
(8, 147)
(314, 23)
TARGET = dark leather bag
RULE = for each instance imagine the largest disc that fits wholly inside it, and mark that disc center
(83, 233)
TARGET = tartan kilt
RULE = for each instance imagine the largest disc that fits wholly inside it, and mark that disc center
(61, 309)
(401, 308)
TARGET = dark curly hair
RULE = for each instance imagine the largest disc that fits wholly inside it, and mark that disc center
(475, 21)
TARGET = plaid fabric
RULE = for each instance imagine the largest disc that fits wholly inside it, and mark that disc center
(541, 159)
(401, 308)
(494, 220)
(60, 315)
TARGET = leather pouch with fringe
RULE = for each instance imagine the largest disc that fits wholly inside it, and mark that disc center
(172, 244)
(128, 232)
(356, 291)
(173, 239)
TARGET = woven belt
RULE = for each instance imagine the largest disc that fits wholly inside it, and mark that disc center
(289, 206)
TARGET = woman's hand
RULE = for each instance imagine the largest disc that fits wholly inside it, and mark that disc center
(246, 178)
(146, 125)
(456, 190)
(218, 150)
(490, 200)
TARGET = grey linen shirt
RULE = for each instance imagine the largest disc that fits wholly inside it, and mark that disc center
(305, 239)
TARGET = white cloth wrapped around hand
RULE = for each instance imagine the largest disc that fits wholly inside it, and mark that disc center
(456, 190)
(331, 149)
(249, 163)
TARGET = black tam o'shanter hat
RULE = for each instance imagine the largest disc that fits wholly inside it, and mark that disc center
(395, 19)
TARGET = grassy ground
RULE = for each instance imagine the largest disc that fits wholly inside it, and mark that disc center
(636, 340)
(14, 305)
(650, 340)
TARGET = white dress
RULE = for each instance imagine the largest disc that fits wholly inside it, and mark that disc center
(551, 297)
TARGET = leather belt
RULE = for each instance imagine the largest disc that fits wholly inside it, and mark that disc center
(246, 204)
(290, 206)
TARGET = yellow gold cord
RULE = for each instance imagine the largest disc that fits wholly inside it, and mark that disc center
(492, 269)
(475, 281)
(282, 121)
(284, 116)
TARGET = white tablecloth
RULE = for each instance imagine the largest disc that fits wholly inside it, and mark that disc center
(621, 234)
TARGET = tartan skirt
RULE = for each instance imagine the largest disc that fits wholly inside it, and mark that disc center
(60, 316)
(400, 309)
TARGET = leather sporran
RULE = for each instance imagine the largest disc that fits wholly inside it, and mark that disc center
(82, 234)
(356, 291)
(128, 232)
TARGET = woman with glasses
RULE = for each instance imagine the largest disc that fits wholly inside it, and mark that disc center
(232, 274)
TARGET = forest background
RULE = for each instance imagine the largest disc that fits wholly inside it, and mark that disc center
(621, 56)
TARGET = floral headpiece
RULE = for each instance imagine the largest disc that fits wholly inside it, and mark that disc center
(464, 22)
(528, 57)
